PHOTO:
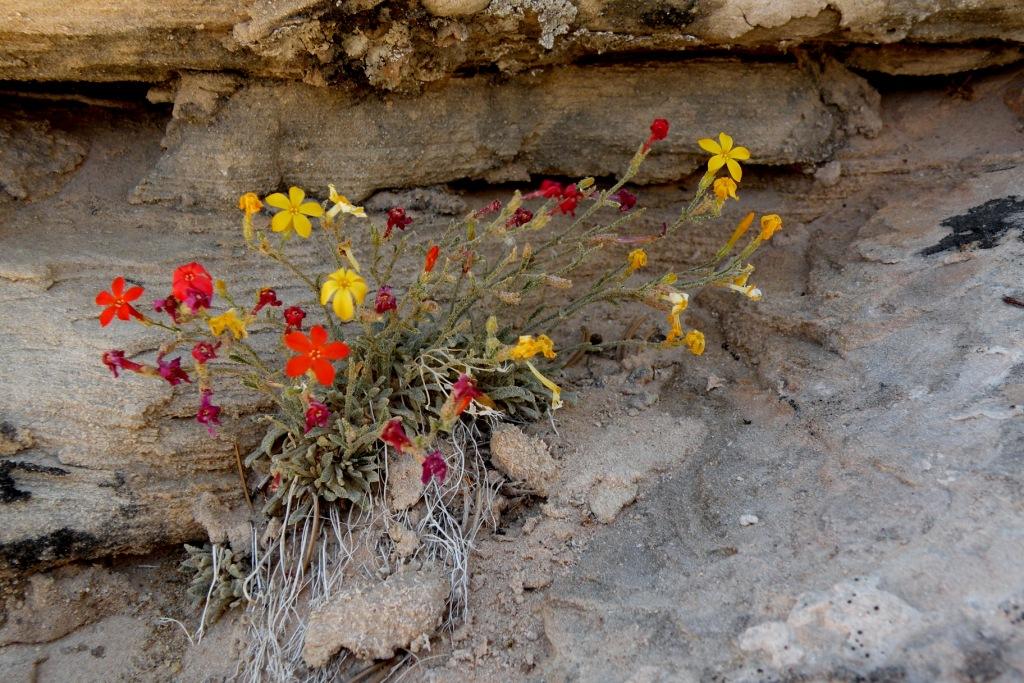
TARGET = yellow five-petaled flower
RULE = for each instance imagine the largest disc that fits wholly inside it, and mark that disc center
(724, 154)
(348, 289)
(293, 212)
(228, 321)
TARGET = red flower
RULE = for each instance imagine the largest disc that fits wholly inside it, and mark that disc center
(191, 276)
(293, 316)
(396, 219)
(267, 297)
(205, 351)
(626, 200)
(549, 189)
(568, 206)
(115, 360)
(315, 353)
(117, 302)
(520, 218)
(317, 415)
(659, 131)
(208, 413)
(493, 207)
(434, 466)
(463, 393)
(394, 435)
(171, 371)
(432, 254)
(385, 301)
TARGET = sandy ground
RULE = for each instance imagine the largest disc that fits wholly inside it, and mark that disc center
(832, 492)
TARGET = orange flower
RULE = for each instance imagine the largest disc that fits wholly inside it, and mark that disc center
(117, 302)
(432, 255)
(315, 353)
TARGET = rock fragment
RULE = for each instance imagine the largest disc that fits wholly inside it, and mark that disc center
(373, 619)
(523, 458)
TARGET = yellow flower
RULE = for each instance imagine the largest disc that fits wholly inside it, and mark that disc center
(228, 320)
(293, 212)
(249, 203)
(749, 291)
(770, 224)
(347, 288)
(744, 275)
(343, 205)
(556, 391)
(740, 231)
(694, 341)
(529, 346)
(679, 301)
(724, 188)
(724, 154)
(637, 259)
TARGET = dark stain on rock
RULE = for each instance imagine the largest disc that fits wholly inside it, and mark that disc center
(669, 14)
(62, 544)
(9, 492)
(982, 227)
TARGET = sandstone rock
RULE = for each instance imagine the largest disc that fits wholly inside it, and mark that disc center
(572, 121)
(919, 60)
(523, 458)
(372, 620)
(454, 8)
(404, 487)
(35, 159)
(299, 39)
(609, 464)
(61, 602)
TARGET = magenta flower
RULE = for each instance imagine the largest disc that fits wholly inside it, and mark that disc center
(205, 351)
(493, 207)
(208, 413)
(434, 466)
(317, 415)
(396, 219)
(171, 371)
(520, 218)
(196, 299)
(626, 199)
(385, 300)
(115, 360)
(169, 305)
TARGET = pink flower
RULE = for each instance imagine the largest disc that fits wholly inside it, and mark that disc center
(317, 415)
(396, 219)
(493, 207)
(115, 360)
(626, 200)
(385, 301)
(169, 305)
(267, 297)
(208, 413)
(520, 218)
(463, 393)
(394, 434)
(171, 371)
(196, 299)
(434, 466)
(205, 351)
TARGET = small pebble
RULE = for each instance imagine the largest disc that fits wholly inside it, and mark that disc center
(748, 520)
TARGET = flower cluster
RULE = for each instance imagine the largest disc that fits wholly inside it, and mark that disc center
(357, 377)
